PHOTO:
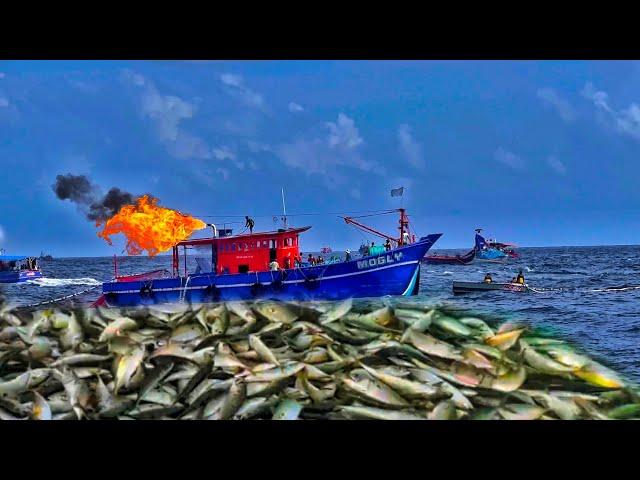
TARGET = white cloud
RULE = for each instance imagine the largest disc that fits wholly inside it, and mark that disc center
(327, 156)
(167, 112)
(557, 165)
(257, 147)
(4, 102)
(224, 173)
(550, 97)
(295, 108)
(344, 133)
(236, 87)
(625, 121)
(231, 80)
(224, 153)
(411, 149)
(599, 98)
(509, 159)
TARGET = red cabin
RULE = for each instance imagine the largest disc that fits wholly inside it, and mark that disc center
(245, 253)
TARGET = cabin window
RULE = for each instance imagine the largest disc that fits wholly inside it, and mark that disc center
(245, 247)
(273, 243)
(233, 247)
(243, 268)
(264, 243)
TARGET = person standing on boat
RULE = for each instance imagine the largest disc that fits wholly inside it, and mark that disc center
(274, 266)
(520, 278)
(387, 245)
(249, 223)
(347, 255)
(287, 262)
(487, 278)
(480, 241)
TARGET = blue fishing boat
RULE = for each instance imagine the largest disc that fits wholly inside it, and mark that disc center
(241, 267)
(18, 268)
(488, 251)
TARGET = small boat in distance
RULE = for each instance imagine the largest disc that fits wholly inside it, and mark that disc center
(468, 287)
(492, 251)
(269, 265)
(326, 250)
(45, 257)
(465, 259)
(18, 268)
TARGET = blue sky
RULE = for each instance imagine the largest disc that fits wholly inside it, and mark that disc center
(538, 153)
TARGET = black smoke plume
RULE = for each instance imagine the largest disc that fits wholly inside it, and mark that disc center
(88, 197)
(76, 188)
(111, 204)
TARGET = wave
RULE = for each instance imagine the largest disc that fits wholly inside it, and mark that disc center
(64, 282)
(621, 288)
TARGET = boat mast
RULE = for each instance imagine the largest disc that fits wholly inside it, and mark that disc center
(284, 210)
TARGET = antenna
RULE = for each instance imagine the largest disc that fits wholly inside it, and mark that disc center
(284, 210)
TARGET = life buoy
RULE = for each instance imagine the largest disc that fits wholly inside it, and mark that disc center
(212, 293)
(257, 289)
(146, 291)
(278, 284)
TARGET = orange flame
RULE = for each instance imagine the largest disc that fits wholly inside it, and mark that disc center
(150, 227)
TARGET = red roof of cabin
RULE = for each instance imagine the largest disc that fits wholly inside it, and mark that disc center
(209, 240)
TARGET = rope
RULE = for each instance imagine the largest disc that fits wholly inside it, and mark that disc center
(66, 297)
(365, 212)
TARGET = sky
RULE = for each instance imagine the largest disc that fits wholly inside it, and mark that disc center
(540, 153)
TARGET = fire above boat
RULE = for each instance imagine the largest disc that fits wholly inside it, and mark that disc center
(270, 265)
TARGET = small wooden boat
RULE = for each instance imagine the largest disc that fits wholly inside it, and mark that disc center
(451, 259)
(468, 287)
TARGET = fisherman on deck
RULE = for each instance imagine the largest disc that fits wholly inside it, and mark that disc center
(371, 248)
(249, 223)
(287, 262)
(520, 278)
(480, 241)
(274, 266)
(387, 245)
(487, 278)
(347, 255)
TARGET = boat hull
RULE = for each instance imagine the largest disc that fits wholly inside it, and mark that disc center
(451, 260)
(491, 255)
(468, 287)
(19, 276)
(395, 272)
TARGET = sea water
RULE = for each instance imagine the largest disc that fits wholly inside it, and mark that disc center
(587, 295)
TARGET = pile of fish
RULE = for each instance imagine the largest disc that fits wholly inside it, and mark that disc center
(275, 360)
